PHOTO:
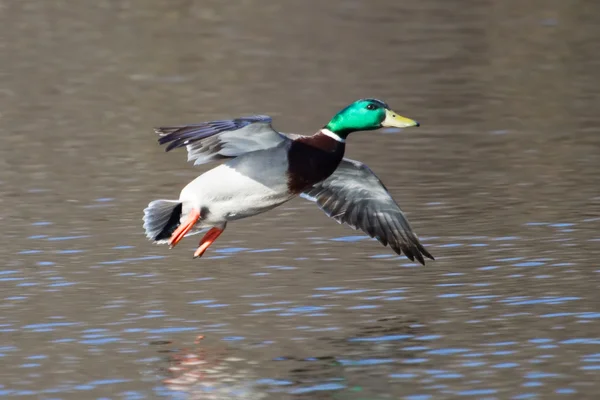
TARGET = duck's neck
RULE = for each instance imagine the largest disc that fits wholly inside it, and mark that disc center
(313, 158)
(332, 135)
(325, 140)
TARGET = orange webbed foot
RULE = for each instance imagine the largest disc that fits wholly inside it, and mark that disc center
(207, 240)
(184, 228)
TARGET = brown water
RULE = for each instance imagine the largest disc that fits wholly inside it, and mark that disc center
(501, 182)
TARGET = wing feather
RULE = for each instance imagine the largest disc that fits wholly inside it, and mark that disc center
(354, 195)
(214, 140)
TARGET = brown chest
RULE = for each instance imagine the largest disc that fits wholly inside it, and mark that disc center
(311, 160)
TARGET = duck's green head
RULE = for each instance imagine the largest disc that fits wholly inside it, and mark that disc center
(366, 115)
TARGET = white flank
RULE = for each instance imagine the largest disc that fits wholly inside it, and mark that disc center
(240, 188)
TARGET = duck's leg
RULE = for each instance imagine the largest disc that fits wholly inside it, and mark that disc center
(184, 228)
(208, 239)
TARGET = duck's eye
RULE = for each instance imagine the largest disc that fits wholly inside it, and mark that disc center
(371, 106)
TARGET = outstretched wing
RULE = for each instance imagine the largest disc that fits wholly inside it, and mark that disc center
(354, 195)
(214, 140)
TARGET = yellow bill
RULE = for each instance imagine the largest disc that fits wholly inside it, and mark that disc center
(393, 120)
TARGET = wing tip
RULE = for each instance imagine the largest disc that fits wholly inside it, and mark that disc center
(163, 131)
(426, 253)
(420, 252)
(417, 252)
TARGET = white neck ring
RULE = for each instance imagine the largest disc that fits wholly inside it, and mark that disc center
(332, 135)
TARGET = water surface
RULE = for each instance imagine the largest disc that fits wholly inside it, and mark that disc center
(501, 182)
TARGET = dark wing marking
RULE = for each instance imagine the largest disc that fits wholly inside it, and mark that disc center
(214, 140)
(355, 196)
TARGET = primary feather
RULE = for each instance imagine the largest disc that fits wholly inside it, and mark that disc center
(355, 196)
(214, 140)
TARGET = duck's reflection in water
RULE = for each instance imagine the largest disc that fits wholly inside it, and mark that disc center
(332, 366)
(209, 374)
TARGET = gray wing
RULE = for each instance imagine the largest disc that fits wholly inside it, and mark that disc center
(214, 140)
(354, 195)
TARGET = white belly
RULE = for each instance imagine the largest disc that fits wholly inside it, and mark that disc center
(237, 189)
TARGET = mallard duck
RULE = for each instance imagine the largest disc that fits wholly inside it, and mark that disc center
(264, 168)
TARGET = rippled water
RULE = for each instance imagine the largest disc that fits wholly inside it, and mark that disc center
(501, 182)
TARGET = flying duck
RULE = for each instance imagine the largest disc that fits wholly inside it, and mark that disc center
(264, 168)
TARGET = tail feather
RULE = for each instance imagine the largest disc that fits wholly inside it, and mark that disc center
(161, 218)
